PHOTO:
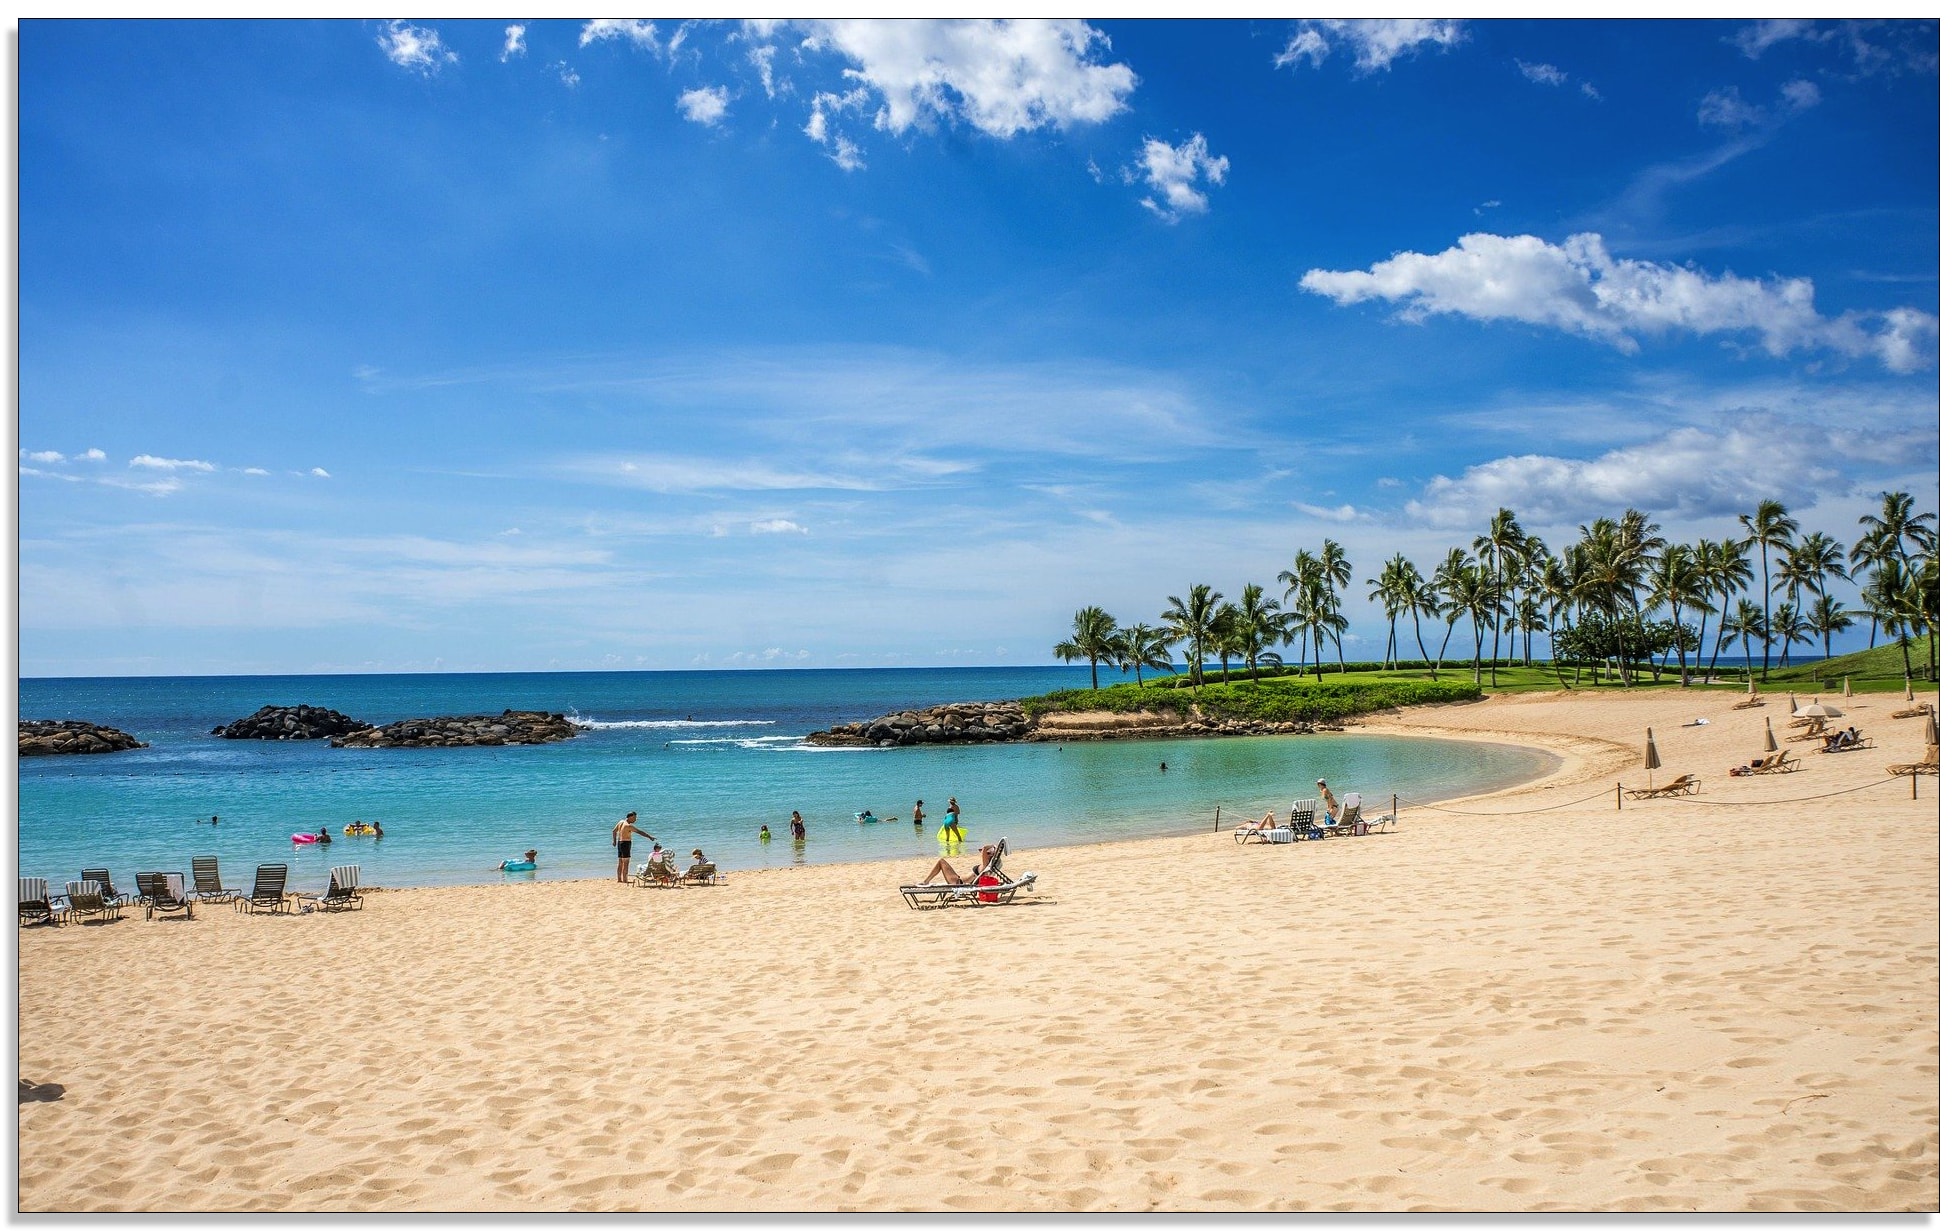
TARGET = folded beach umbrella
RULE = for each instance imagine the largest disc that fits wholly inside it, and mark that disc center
(1908, 694)
(1931, 729)
(1791, 703)
(1769, 724)
(1651, 756)
(1847, 691)
(1750, 685)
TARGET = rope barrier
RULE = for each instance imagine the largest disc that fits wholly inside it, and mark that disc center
(1800, 799)
(1569, 803)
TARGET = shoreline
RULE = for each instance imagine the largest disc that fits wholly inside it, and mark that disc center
(1504, 1010)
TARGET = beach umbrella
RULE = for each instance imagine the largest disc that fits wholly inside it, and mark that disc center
(1750, 686)
(1791, 703)
(1847, 691)
(1931, 730)
(1908, 694)
(1651, 756)
(1818, 710)
(1772, 746)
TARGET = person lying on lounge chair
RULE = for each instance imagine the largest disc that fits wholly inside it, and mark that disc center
(951, 874)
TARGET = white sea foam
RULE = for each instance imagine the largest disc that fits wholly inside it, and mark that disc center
(669, 724)
(773, 743)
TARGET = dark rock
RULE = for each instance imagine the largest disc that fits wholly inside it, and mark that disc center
(470, 730)
(291, 722)
(57, 737)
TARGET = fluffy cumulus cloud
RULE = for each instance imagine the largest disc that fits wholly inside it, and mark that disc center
(1686, 474)
(414, 47)
(513, 45)
(45, 457)
(640, 33)
(1002, 77)
(1172, 173)
(706, 105)
(1579, 287)
(1374, 42)
(94, 455)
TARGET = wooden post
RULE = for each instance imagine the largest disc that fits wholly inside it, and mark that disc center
(1621, 797)
(1913, 784)
(1217, 822)
(1396, 813)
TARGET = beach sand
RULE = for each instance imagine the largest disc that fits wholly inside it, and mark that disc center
(1682, 1005)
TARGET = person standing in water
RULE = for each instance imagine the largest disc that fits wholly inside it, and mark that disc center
(918, 814)
(951, 828)
(622, 838)
(796, 829)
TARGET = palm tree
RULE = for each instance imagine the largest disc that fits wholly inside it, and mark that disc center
(1193, 621)
(1305, 590)
(1386, 591)
(1142, 645)
(1481, 599)
(1451, 589)
(1891, 534)
(1899, 603)
(1337, 572)
(1768, 526)
(1789, 624)
(1258, 624)
(1828, 617)
(1528, 563)
(1417, 598)
(1094, 640)
(1553, 581)
(1500, 549)
(1727, 569)
(1747, 622)
(1223, 635)
(1677, 583)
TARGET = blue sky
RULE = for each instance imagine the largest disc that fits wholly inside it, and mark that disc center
(561, 345)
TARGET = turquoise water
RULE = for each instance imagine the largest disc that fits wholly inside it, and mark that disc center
(705, 758)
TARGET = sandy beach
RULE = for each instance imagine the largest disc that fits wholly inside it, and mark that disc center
(1719, 1003)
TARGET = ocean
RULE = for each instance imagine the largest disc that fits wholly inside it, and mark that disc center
(705, 757)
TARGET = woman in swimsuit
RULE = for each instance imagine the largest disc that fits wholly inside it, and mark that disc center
(796, 830)
(951, 874)
(622, 835)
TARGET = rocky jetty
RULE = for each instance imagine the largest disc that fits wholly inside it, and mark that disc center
(292, 722)
(1002, 721)
(971, 723)
(473, 730)
(56, 737)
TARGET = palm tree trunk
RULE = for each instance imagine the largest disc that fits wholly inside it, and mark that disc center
(1441, 655)
(1419, 645)
(1767, 614)
(1393, 646)
(1318, 671)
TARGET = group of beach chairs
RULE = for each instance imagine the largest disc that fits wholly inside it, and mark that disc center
(96, 897)
(1305, 824)
(660, 874)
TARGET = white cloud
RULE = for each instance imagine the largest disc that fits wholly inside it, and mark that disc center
(1579, 288)
(149, 487)
(318, 473)
(1761, 35)
(1724, 108)
(255, 470)
(565, 73)
(1688, 473)
(1343, 514)
(147, 462)
(640, 33)
(763, 58)
(50, 474)
(414, 47)
(1002, 77)
(705, 105)
(1375, 43)
(1800, 95)
(513, 44)
(1590, 91)
(1542, 74)
(94, 455)
(1172, 173)
(46, 457)
(843, 151)
(776, 525)
(691, 474)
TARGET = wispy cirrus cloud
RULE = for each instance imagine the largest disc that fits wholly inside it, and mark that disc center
(145, 461)
(1578, 287)
(1374, 43)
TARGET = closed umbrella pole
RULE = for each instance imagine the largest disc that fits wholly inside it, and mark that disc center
(1772, 746)
(1908, 694)
(1847, 691)
(1931, 730)
(1651, 756)
(1792, 707)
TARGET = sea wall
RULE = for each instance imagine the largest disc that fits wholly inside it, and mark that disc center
(473, 730)
(291, 722)
(1007, 721)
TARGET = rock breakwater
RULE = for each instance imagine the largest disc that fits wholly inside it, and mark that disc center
(472, 730)
(1008, 721)
(291, 722)
(59, 737)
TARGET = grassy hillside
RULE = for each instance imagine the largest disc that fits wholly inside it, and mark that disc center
(1882, 669)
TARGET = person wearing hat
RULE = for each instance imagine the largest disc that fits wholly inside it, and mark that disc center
(1332, 807)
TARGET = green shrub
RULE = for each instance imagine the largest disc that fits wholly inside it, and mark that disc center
(1282, 699)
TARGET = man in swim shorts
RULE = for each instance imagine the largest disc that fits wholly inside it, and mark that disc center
(622, 836)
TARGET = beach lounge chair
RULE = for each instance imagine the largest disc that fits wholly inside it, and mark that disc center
(1301, 822)
(1929, 765)
(1256, 832)
(1776, 762)
(163, 891)
(37, 905)
(702, 874)
(1861, 742)
(999, 891)
(1916, 711)
(206, 887)
(1685, 784)
(268, 891)
(342, 889)
(101, 877)
(657, 874)
(1748, 703)
(86, 899)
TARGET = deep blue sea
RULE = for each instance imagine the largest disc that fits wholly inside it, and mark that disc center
(705, 758)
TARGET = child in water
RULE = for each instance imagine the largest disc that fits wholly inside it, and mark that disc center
(764, 832)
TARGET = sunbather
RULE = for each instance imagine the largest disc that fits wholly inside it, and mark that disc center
(951, 874)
